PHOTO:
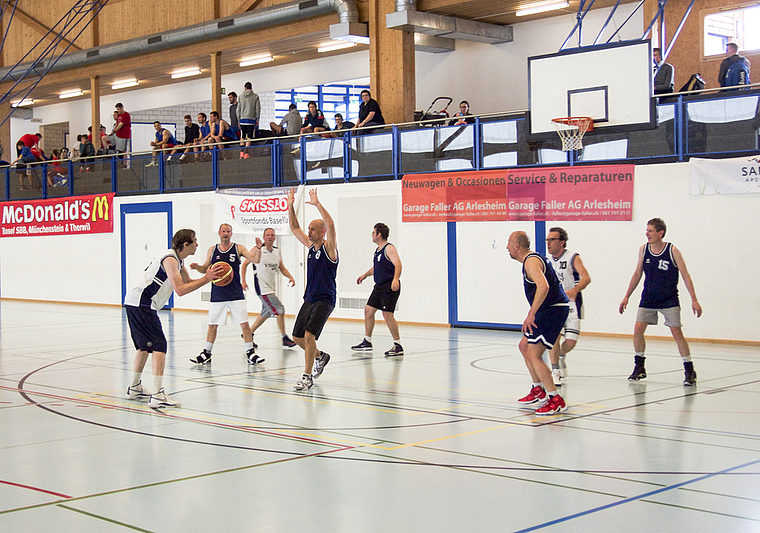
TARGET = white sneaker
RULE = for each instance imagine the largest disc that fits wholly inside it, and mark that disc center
(305, 383)
(183, 157)
(138, 392)
(161, 399)
(556, 377)
(151, 164)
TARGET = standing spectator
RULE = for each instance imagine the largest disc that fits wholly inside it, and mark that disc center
(31, 141)
(293, 121)
(234, 124)
(314, 121)
(122, 130)
(369, 111)
(660, 263)
(664, 75)
(249, 110)
(734, 70)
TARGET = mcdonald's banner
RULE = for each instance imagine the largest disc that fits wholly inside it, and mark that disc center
(73, 215)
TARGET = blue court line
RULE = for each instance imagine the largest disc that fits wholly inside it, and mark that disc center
(635, 498)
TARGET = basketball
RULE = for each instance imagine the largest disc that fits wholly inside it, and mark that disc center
(227, 274)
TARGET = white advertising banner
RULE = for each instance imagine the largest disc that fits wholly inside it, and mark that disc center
(740, 175)
(253, 210)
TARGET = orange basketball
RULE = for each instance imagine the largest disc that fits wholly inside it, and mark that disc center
(227, 274)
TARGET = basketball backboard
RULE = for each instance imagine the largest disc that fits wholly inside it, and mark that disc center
(610, 83)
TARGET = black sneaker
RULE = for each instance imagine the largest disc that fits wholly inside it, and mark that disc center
(690, 376)
(639, 372)
(203, 358)
(253, 359)
(319, 364)
(363, 346)
(287, 342)
(396, 351)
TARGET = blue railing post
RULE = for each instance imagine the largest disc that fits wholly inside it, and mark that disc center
(274, 163)
(302, 157)
(477, 145)
(114, 176)
(347, 155)
(214, 168)
(161, 173)
(44, 180)
(680, 143)
(395, 152)
(71, 178)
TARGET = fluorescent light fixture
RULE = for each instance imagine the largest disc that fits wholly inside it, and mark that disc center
(123, 84)
(247, 62)
(186, 73)
(25, 101)
(71, 94)
(542, 8)
(335, 46)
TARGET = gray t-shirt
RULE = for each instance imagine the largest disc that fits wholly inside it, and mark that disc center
(294, 122)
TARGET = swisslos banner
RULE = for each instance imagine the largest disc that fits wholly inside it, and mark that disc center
(253, 210)
(739, 175)
(72, 215)
(603, 192)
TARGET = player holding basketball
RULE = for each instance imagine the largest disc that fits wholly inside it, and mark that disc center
(269, 260)
(660, 262)
(386, 269)
(149, 294)
(229, 296)
(319, 297)
(574, 277)
(548, 313)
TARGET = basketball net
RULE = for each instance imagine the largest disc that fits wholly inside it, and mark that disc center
(571, 131)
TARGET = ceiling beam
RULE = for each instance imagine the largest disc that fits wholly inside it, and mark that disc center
(247, 5)
(39, 27)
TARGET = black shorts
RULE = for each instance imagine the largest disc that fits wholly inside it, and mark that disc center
(248, 131)
(384, 298)
(312, 318)
(146, 330)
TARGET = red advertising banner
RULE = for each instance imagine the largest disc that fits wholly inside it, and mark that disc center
(603, 192)
(454, 196)
(73, 215)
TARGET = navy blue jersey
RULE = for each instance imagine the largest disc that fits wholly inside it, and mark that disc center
(160, 137)
(233, 290)
(321, 272)
(384, 270)
(556, 294)
(661, 281)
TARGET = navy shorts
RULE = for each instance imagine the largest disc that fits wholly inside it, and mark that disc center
(312, 318)
(384, 298)
(248, 131)
(146, 330)
(549, 324)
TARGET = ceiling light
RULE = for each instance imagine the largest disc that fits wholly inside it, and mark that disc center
(123, 84)
(25, 101)
(71, 94)
(542, 8)
(247, 62)
(335, 46)
(185, 73)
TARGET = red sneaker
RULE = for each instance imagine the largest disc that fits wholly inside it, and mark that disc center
(555, 405)
(536, 394)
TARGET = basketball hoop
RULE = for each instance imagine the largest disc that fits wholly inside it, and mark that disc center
(571, 131)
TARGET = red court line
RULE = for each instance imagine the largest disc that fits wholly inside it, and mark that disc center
(35, 489)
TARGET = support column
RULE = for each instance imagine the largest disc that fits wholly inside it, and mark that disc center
(391, 65)
(5, 134)
(216, 82)
(95, 110)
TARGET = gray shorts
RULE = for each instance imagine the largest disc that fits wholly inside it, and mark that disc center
(672, 316)
(271, 305)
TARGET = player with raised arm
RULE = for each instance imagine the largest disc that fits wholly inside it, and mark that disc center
(319, 297)
(661, 263)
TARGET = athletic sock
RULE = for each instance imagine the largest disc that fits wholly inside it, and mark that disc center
(538, 385)
(397, 341)
(555, 367)
(158, 383)
(368, 339)
(209, 346)
(136, 377)
(249, 345)
(552, 394)
(686, 359)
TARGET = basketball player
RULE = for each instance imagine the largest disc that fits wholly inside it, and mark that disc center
(660, 262)
(548, 313)
(386, 269)
(574, 277)
(319, 297)
(269, 261)
(149, 294)
(227, 297)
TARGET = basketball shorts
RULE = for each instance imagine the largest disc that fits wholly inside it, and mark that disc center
(384, 298)
(572, 324)
(672, 316)
(248, 131)
(218, 310)
(312, 318)
(549, 323)
(271, 305)
(145, 328)
(121, 144)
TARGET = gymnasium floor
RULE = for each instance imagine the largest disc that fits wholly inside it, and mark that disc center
(433, 441)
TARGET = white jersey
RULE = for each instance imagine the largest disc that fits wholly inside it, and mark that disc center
(153, 288)
(568, 276)
(267, 271)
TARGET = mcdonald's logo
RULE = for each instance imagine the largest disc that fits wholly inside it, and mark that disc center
(100, 208)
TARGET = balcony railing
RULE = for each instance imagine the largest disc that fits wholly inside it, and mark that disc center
(707, 125)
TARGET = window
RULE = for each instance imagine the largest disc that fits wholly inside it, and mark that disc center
(331, 99)
(740, 26)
